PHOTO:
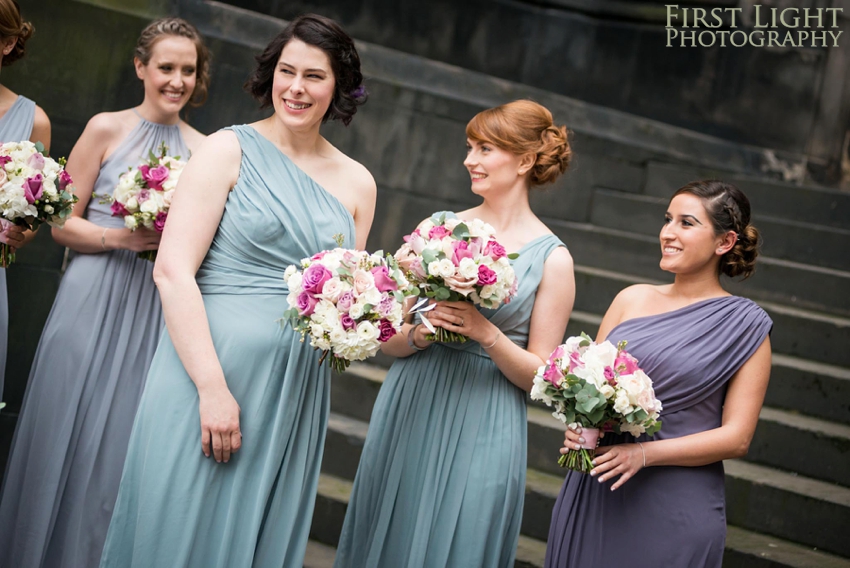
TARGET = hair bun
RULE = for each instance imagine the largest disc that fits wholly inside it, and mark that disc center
(553, 156)
(22, 32)
(741, 259)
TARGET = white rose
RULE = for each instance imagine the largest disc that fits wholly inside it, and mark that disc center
(290, 270)
(356, 310)
(538, 390)
(130, 222)
(468, 268)
(294, 282)
(372, 296)
(447, 247)
(48, 209)
(150, 206)
(487, 291)
(366, 331)
(621, 403)
(446, 268)
(132, 204)
(434, 268)
(332, 289)
(607, 390)
(338, 336)
(634, 429)
(425, 227)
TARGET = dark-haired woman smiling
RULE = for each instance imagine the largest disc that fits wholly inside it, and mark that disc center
(252, 200)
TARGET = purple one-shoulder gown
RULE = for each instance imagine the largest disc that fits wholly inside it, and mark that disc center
(666, 515)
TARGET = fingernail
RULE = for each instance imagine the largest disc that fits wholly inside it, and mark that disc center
(581, 440)
(594, 463)
(577, 446)
(592, 473)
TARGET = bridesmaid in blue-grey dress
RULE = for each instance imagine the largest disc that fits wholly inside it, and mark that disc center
(252, 200)
(89, 369)
(20, 119)
(708, 354)
(441, 480)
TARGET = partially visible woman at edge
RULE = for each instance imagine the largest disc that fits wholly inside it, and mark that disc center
(20, 119)
(90, 366)
(252, 200)
(708, 354)
(441, 480)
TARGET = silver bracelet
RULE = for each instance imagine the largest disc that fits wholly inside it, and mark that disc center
(103, 239)
(643, 452)
(410, 341)
(498, 335)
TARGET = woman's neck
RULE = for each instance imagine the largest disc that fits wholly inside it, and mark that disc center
(698, 285)
(508, 212)
(152, 114)
(293, 143)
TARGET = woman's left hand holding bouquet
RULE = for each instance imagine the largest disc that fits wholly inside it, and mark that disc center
(11, 234)
(465, 319)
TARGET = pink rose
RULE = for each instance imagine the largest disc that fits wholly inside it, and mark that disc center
(461, 285)
(346, 299)
(608, 372)
(5, 160)
(409, 261)
(385, 331)
(438, 232)
(575, 361)
(625, 364)
(417, 243)
(486, 276)
(461, 251)
(154, 177)
(315, 277)
(306, 304)
(557, 353)
(3, 177)
(33, 188)
(64, 180)
(159, 222)
(347, 322)
(36, 161)
(319, 255)
(494, 250)
(144, 195)
(553, 375)
(118, 210)
(407, 238)
(383, 282)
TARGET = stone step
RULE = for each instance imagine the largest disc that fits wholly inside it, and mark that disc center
(744, 549)
(758, 498)
(329, 515)
(319, 555)
(787, 239)
(808, 446)
(771, 198)
(775, 280)
(797, 332)
(812, 388)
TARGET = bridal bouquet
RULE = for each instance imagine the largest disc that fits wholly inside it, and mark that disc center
(598, 386)
(144, 193)
(347, 301)
(34, 189)
(448, 259)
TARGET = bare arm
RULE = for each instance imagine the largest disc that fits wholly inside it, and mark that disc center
(192, 222)
(83, 165)
(364, 214)
(552, 308)
(40, 133)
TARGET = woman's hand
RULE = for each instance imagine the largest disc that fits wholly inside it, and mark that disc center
(573, 438)
(12, 235)
(140, 240)
(219, 424)
(624, 460)
(463, 318)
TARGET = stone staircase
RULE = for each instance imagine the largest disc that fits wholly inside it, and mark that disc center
(788, 501)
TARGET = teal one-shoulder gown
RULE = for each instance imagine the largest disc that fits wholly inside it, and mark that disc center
(177, 508)
(441, 480)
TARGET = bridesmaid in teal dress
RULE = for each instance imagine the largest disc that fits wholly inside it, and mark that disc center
(87, 376)
(252, 200)
(20, 119)
(442, 476)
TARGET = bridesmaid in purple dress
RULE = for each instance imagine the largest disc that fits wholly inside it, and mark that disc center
(660, 501)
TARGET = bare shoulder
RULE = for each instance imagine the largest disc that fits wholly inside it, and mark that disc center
(637, 295)
(361, 178)
(41, 121)
(191, 135)
(559, 263)
(106, 126)
(218, 154)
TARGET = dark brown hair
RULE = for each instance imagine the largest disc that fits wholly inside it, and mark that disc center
(524, 127)
(729, 210)
(328, 36)
(13, 26)
(162, 27)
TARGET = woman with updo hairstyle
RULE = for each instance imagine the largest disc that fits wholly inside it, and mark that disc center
(89, 369)
(708, 355)
(441, 480)
(254, 199)
(20, 119)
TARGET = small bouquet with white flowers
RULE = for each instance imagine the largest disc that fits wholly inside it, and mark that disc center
(347, 301)
(34, 189)
(144, 193)
(597, 386)
(449, 259)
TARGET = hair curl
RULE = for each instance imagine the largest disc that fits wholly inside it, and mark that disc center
(524, 127)
(12, 25)
(179, 27)
(729, 210)
(327, 35)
